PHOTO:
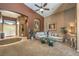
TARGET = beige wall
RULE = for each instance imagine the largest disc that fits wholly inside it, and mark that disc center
(78, 27)
(61, 19)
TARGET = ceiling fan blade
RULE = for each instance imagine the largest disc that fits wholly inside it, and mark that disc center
(46, 9)
(37, 10)
(44, 4)
(37, 6)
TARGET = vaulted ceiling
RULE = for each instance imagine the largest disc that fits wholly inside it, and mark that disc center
(51, 6)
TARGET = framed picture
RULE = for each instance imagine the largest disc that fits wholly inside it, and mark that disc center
(36, 25)
(52, 26)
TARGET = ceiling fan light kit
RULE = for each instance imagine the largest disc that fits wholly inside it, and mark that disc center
(42, 8)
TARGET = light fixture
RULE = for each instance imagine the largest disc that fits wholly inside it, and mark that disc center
(72, 28)
(18, 22)
(72, 24)
(41, 9)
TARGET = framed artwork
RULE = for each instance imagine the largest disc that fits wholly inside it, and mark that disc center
(36, 25)
(52, 26)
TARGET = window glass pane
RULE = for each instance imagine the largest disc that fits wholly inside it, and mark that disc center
(9, 27)
(0, 25)
(0, 21)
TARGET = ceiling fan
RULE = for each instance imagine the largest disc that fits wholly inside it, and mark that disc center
(42, 8)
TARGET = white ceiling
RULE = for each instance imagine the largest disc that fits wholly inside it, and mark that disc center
(51, 6)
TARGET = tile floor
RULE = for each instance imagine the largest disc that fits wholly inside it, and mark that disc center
(36, 48)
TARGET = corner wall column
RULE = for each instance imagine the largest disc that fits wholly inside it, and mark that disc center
(77, 27)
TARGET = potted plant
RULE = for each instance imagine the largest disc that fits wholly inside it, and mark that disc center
(64, 31)
(50, 41)
(43, 40)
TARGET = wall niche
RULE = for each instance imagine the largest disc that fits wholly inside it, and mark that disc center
(23, 26)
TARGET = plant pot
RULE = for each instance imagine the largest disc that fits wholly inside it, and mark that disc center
(1, 35)
(43, 40)
(50, 43)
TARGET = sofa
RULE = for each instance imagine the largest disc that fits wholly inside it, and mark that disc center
(54, 36)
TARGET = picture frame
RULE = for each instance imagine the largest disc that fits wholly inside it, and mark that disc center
(36, 25)
(52, 26)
